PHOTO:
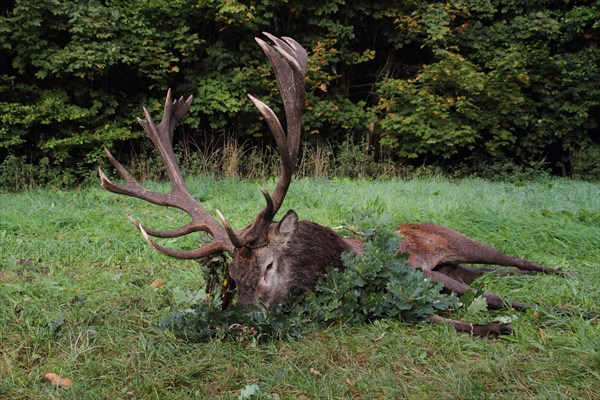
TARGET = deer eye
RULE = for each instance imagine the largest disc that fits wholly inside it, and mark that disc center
(268, 269)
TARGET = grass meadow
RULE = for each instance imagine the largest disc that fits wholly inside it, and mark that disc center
(76, 299)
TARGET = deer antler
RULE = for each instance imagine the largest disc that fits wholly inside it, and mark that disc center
(179, 197)
(288, 59)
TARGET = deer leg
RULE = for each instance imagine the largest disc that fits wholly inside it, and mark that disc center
(466, 274)
(526, 265)
(489, 255)
(460, 272)
(491, 329)
(494, 302)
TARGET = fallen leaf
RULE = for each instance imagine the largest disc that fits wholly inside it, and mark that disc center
(57, 380)
(478, 305)
(250, 391)
(158, 283)
(350, 382)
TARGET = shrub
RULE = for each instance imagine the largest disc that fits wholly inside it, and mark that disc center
(377, 285)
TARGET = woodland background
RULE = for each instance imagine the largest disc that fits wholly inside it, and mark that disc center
(466, 86)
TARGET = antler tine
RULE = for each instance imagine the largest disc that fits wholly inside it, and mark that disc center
(171, 233)
(213, 247)
(288, 60)
(179, 197)
(162, 136)
(277, 130)
(297, 57)
(235, 241)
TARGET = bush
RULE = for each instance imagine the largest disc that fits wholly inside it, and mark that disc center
(584, 163)
(377, 285)
(435, 82)
(17, 173)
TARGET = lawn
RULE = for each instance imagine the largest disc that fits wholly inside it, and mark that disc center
(76, 298)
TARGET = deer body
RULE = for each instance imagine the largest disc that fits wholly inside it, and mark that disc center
(269, 257)
(299, 252)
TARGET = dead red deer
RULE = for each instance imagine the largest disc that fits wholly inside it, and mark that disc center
(269, 257)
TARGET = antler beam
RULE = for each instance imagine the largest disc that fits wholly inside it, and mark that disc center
(179, 197)
(288, 60)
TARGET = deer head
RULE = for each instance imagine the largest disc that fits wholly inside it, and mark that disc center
(261, 269)
(268, 257)
(294, 255)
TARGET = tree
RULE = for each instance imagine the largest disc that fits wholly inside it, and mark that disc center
(428, 81)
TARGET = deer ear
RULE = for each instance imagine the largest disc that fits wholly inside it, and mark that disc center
(288, 223)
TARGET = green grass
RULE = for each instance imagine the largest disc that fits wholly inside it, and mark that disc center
(56, 245)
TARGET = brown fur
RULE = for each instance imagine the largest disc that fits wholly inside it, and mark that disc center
(313, 249)
(431, 246)
(295, 256)
(302, 251)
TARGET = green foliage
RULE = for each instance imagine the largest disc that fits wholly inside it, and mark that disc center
(375, 285)
(585, 162)
(74, 71)
(379, 284)
(503, 80)
(457, 82)
(16, 174)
